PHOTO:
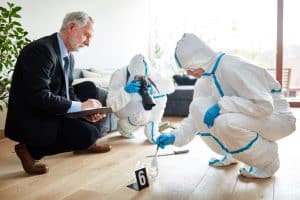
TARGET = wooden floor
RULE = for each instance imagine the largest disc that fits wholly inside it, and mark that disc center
(186, 176)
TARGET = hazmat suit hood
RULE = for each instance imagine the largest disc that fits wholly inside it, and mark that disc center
(138, 66)
(192, 53)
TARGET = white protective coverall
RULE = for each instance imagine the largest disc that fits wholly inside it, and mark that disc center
(253, 115)
(129, 108)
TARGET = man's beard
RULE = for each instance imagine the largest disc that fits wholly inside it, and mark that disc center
(74, 45)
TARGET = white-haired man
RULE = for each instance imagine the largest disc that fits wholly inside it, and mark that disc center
(42, 88)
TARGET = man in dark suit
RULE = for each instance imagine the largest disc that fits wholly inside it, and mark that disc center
(41, 89)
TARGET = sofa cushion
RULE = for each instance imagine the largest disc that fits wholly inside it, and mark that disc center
(104, 77)
(184, 80)
(96, 81)
(77, 73)
(179, 101)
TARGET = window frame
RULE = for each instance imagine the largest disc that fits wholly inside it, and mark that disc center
(279, 46)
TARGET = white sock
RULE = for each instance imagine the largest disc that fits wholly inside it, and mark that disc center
(253, 172)
(225, 161)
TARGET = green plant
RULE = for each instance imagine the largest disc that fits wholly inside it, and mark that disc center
(12, 39)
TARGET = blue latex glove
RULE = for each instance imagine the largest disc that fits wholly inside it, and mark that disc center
(150, 89)
(133, 87)
(211, 114)
(165, 139)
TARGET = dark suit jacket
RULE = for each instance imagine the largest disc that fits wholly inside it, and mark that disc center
(38, 93)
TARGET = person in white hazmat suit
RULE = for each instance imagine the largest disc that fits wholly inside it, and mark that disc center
(238, 109)
(124, 96)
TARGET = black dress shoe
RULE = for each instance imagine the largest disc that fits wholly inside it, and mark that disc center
(30, 165)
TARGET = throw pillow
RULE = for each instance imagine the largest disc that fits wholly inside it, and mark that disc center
(104, 77)
(89, 74)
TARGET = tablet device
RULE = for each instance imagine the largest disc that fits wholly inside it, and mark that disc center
(88, 112)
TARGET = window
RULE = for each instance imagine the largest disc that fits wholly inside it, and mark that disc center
(249, 29)
(244, 28)
(291, 46)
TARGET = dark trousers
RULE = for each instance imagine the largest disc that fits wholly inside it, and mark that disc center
(73, 134)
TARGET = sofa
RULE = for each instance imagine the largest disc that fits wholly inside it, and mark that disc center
(179, 101)
(86, 87)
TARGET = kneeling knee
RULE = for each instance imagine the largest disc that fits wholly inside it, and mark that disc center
(222, 124)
